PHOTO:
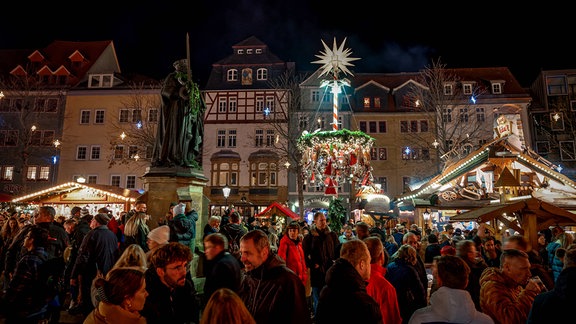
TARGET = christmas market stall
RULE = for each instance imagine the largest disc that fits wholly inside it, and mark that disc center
(65, 196)
(278, 213)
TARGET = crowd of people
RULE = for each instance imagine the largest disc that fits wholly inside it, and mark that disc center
(119, 270)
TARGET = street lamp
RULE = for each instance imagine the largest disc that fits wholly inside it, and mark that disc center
(226, 193)
(426, 216)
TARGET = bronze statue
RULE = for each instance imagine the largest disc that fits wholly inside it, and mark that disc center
(181, 122)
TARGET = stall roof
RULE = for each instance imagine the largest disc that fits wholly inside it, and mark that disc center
(68, 187)
(278, 209)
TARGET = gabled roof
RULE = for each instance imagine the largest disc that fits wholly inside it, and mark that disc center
(276, 208)
(116, 193)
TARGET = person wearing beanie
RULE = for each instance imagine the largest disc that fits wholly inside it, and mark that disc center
(157, 238)
(183, 226)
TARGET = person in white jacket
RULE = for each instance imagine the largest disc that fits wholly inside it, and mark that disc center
(451, 303)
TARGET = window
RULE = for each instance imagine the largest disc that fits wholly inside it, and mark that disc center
(119, 152)
(270, 103)
(100, 81)
(85, 117)
(327, 97)
(567, 151)
(232, 75)
(231, 138)
(447, 115)
(497, 88)
(49, 105)
(366, 102)
(44, 173)
(221, 138)
(372, 127)
(424, 126)
(132, 151)
(376, 102)
(130, 182)
(124, 115)
(382, 153)
(115, 180)
(315, 96)
(95, 152)
(136, 115)
(269, 137)
(406, 184)
(381, 127)
(222, 102)
(8, 173)
(557, 125)
(232, 104)
(414, 126)
(258, 51)
(259, 104)
(81, 152)
(31, 172)
(92, 179)
(556, 85)
(480, 115)
(403, 126)
(262, 74)
(467, 88)
(259, 138)
(240, 52)
(302, 121)
(448, 91)
(362, 126)
(463, 115)
(153, 115)
(99, 117)
(249, 51)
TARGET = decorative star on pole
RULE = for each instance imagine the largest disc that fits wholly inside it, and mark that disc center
(335, 60)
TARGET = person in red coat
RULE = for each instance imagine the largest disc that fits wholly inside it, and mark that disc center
(291, 251)
(379, 288)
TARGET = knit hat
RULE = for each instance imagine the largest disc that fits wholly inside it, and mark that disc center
(102, 218)
(458, 231)
(448, 250)
(75, 210)
(84, 212)
(179, 209)
(160, 234)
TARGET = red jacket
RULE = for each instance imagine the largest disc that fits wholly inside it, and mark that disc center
(293, 254)
(382, 291)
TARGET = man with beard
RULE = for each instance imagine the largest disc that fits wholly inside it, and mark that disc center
(320, 247)
(172, 296)
(271, 292)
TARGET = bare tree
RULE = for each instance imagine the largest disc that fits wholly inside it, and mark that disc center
(135, 127)
(452, 114)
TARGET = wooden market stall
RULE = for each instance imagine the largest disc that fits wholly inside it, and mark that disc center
(280, 212)
(92, 196)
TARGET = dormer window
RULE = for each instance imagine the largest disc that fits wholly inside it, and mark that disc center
(258, 51)
(497, 87)
(100, 81)
(262, 74)
(249, 51)
(467, 88)
(240, 52)
(232, 75)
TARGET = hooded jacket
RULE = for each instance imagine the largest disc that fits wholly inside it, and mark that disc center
(449, 305)
(274, 294)
(346, 290)
(503, 299)
(292, 253)
(384, 294)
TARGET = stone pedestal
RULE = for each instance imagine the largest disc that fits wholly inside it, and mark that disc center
(166, 185)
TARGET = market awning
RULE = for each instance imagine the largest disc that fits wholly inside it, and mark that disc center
(5, 197)
(279, 210)
(71, 192)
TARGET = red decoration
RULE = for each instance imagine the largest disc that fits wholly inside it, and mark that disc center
(353, 159)
(328, 170)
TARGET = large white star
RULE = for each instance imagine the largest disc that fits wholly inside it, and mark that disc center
(336, 59)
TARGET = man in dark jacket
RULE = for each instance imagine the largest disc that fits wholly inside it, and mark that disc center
(98, 253)
(183, 226)
(222, 270)
(234, 232)
(346, 288)
(172, 296)
(320, 248)
(556, 306)
(271, 292)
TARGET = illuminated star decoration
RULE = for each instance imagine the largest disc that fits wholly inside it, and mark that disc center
(335, 60)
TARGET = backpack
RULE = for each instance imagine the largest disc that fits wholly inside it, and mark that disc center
(234, 246)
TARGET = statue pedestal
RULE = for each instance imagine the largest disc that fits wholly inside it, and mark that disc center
(164, 185)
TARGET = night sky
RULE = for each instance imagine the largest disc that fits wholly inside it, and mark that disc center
(388, 37)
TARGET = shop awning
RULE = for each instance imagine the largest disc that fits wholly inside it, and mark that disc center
(73, 192)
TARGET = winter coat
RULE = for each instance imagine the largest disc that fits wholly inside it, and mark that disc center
(410, 293)
(431, 251)
(164, 305)
(449, 305)
(473, 287)
(503, 299)
(292, 253)
(99, 251)
(140, 238)
(274, 294)
(183, 229)
(108, 314)
(320, 248)
(21, 296)
(223, 271)
(345, 290)
(384, 294)
(555, 306)
(233, 233)
(556, 264)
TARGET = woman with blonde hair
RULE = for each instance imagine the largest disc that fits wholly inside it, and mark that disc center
(133, 256)
(225, 306)
(122, 294)
(136, 230)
